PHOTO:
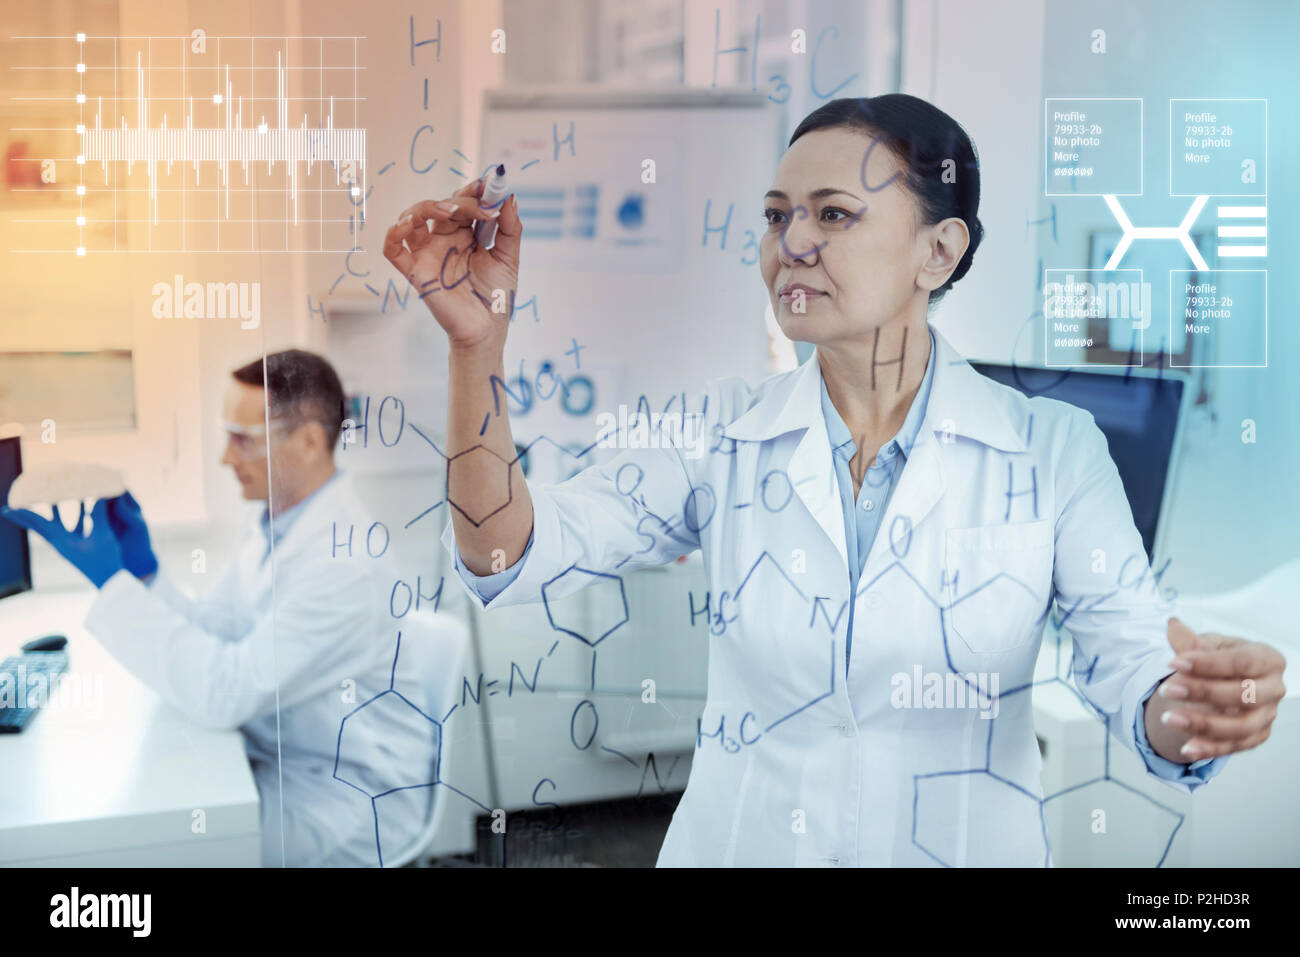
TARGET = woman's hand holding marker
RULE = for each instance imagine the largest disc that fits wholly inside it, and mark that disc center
(468, 286)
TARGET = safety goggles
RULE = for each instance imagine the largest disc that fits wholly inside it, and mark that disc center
(249, 441)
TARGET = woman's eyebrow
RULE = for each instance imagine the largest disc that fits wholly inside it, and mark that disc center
(815, 194)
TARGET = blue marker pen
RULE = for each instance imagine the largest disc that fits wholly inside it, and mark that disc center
(494, 194)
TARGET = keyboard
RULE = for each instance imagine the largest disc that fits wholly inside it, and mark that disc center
(26, 681)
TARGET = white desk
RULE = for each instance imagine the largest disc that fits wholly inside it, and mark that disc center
(117, 778)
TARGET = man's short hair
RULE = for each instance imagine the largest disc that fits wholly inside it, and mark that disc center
(301, 387)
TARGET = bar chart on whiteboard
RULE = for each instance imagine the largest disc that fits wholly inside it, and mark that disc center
(201, 143)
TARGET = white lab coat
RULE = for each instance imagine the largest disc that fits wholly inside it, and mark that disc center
(319, 632)
(796, 765)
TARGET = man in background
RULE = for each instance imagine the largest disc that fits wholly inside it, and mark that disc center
(291, 638)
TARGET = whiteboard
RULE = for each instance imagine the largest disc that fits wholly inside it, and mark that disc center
(625, 267)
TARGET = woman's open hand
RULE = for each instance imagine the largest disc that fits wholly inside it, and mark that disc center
(1222, 698)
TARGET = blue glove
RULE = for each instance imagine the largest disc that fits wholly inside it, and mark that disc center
(96, 555)
(127, 522)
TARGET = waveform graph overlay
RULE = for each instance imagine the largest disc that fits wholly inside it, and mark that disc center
(214, 144)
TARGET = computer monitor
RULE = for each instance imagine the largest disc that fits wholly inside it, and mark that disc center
(1139, 412)
(15, 560)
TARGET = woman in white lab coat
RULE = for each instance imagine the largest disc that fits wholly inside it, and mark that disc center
(871, 647)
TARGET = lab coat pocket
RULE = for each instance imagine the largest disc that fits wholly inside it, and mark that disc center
(999, 581)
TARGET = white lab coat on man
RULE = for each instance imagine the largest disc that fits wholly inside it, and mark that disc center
(1005, 503)
(307, 631)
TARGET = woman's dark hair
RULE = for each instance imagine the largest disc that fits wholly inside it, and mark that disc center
(923, 138)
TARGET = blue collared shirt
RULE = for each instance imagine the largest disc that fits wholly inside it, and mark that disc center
(862, 517)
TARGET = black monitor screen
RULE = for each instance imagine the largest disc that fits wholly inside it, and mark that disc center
(1137, 414)
(15, 565)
